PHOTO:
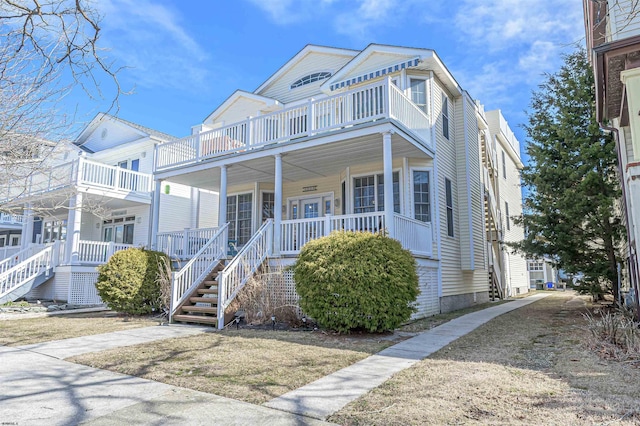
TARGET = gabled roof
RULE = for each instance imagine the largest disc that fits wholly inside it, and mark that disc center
(417, 58)
(299, 56)
(142, 130)
(269, 102)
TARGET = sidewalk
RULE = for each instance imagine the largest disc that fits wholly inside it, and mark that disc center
(39, 387)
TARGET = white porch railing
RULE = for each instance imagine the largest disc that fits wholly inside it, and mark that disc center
(414, 235)
(237, 272)
(12, 219)
(16, 255)
(197, 269)
(98, 252)
(80, 172)
(362, 104)
(26, 270)
(184, 244)
(297, 232)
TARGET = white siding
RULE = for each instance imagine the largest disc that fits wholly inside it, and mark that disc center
(141, 150)
(239, 111)
(374, 62)
(623, 21)
(208, 213)
(175, 207)
(116, 134)
(312, 62)
(427, 302)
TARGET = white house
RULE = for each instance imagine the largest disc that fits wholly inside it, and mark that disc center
(94, 199)
(383, 138)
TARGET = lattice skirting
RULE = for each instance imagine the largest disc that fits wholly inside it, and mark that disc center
(428, 302)
(82, 289)
(281, 286)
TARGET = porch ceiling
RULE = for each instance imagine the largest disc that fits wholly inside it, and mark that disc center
(297, 165)
(56, 205)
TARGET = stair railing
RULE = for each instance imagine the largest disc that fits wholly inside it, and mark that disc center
(242, 267)
(27, 270)
(197, 269)
(18, 257)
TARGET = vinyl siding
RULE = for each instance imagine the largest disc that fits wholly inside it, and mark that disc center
(374, 62)
(141, 150)
(239, 111)
(117, 134)
(208, 213)
(312, 62)
(175, 207)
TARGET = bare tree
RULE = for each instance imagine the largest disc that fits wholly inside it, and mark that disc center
(47, 48)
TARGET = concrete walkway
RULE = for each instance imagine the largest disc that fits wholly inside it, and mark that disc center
(329, 394)
(39, 387)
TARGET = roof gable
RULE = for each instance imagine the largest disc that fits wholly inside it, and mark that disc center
(240, 104)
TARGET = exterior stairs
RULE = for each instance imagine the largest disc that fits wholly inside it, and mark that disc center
(18, 277)
(201, 306)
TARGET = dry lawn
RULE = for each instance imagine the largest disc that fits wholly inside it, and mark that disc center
(35, 330)
(250, 365)
(436, 320)
(530, 366)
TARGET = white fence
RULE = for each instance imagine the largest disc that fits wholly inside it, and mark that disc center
(360, 105)
(184, 244)
(414, 235)
(98, 252)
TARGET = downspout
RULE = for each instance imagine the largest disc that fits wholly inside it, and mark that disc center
(632, 248)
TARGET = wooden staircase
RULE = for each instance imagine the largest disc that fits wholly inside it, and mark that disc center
(201, 306)
(495, 290)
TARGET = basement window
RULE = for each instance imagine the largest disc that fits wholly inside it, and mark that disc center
(311, 78)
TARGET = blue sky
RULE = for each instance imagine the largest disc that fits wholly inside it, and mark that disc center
(184, 58)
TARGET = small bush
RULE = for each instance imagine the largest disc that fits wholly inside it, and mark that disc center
(356, 280)
(129, 281)
(615, 334)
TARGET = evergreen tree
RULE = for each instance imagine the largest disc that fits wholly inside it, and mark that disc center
(570, 213)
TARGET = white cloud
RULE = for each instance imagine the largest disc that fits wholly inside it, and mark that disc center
(285, 12)
(370, 13)
(149, 39)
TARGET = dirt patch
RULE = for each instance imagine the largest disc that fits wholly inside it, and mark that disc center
(26, 331)
(530, 366)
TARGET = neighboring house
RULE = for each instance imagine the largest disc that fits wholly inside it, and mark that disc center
(542, 274)
(337, 139)
(94, 199)
(613, 42)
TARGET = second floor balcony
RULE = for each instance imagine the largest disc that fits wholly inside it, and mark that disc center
(377, 101)
(82, 174)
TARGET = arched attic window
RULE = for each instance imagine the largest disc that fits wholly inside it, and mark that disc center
(307, 79)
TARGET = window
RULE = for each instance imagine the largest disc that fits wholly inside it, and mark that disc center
(535, 266)
(344, 197)
(268, 202)
(135, 165)
(14, 241)
(239, 217)
(506, 215)
(504, 165)
(419, 93)
(118, 230)
(445, 116)
(368, 193)
(421, 205)
(308, 79)
(449, 197)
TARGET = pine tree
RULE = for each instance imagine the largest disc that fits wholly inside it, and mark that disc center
(570, 214)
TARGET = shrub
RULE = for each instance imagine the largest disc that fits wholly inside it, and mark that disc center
(129, 281)
(356, 280)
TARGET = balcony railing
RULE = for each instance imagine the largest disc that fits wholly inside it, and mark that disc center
(361, 105)
(184, 244)
(98, 252)
(414, 235)
(84, 173)
(11, 219)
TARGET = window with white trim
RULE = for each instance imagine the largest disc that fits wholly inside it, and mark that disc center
(445, 116)
(368, 193)
(421, 200)
(268, 203)
(419, 93)
(239, 209)
(506, 215)
(449, 200)
(504, 165)
(311, 78)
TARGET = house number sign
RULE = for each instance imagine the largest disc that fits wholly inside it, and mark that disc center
(310, 188)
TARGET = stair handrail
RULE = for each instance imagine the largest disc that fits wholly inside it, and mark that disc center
(237, 272)
(26, 270)
(6, 263)
(197, 269)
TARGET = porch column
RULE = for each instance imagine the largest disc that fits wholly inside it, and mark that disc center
(277, 204)
(387, 161)
(155, 214)
(27, 226)
(222, 202)
(74, 222)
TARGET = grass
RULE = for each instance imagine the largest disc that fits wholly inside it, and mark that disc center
(530, 366)
(26, 331)
(250, 365)
(436, 320)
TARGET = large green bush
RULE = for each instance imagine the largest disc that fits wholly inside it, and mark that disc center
(129, 281)
(356, 280)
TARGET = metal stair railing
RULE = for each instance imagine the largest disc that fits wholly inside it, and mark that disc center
(197, 269)
(242, 267)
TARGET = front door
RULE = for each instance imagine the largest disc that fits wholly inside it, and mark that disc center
(310, 208)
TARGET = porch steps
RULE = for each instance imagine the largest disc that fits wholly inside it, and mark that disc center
(201, 306)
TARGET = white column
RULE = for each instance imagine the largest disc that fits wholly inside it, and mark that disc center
(277, 205)
(155, 214)
(387, 161)
(27, 226)
(74, 223)
(222, 203)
